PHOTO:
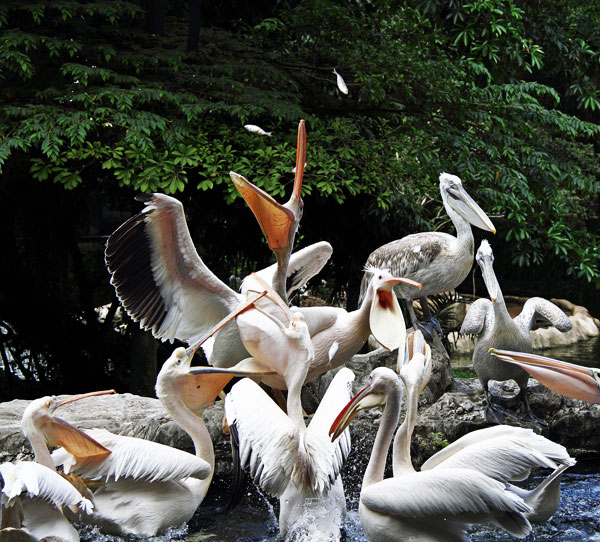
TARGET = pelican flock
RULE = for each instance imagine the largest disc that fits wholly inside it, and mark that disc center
(123, 485)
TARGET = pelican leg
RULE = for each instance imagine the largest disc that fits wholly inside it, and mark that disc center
(494, 413)
(529, 415)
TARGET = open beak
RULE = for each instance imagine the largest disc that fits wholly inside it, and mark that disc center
(465, 205)
(58, 432)
(565, 378)
(203, 384)
(487, 271)
(385, 317)
(276, 220)
(366, 398)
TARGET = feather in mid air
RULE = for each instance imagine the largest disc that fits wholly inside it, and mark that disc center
(253, 129)
(340, 82)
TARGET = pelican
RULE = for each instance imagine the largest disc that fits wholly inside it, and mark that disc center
(148, 487)
(568, 379)
(439, 261)
(436, 505)
(502, 452)
(491, 322)
(288, 459)
(32, 497)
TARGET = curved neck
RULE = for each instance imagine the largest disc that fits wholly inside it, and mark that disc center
(193, 425)
(402, 462)
(389, 421)
(464, 234)
(501, 314)
(40, 450)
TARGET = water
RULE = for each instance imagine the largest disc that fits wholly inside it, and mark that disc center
(254, 520)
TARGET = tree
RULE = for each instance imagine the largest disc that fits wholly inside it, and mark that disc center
(104, 99)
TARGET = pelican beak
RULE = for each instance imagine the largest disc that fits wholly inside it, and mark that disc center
(78, 397)
(278, 222)
(465, 205)
(416, 370)
(565, 378)
(385, 317)
(191, 350)
(366, 398)
(203, 384)
(487, 271)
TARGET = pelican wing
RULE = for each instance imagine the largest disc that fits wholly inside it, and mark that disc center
(502, 452)
(406, 257)
(479, 316)
(304, 264)
(320, 318)
(134, 458)
(442, 493)
(331, 456)
(159, 277)
(538, 307)
(41, 482)
(268, 439)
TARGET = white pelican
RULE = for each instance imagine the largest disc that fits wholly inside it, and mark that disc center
(289, 460)
(568, 379)
(435, 505)
(502, 452)
(147, 487)
(493, 325)
(32, 497)
(439, 261)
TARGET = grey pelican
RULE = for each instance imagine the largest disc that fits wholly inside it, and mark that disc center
(502, 452)
(32, 497)
(289, 460)
(568, 379)
(437, 260)
(147, 487)
(493, 325)
(433, 505)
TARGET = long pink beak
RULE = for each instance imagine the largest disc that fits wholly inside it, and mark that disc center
(565, 378)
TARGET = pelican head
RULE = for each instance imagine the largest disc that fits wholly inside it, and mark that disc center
(485, 260)
(174, 368)
(459, 200)
(416, 366)
(565, 378)
(381, 382)
(277, 221)
(385, 319)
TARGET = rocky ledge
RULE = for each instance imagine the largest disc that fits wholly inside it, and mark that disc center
(448, 409)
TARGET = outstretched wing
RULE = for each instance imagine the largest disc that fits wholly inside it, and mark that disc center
(268, 439)
(538, 307)
(133, 458)
(304, 264)
(159, 277)
(502, 452)
(41, 482)
(479, 316)
(331, 455)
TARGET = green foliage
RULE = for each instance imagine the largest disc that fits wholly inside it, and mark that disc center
(503, 93)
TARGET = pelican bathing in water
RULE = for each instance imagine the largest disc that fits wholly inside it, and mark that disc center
(437, 260)
(463, 484)
(289, 460)
(491, 322)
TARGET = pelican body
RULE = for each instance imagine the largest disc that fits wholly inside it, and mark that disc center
(491, 322)
(433, 506)
(439, 261)
(287, 458)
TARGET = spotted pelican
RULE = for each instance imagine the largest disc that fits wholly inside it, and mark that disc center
(439, 261)
(495, 328)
